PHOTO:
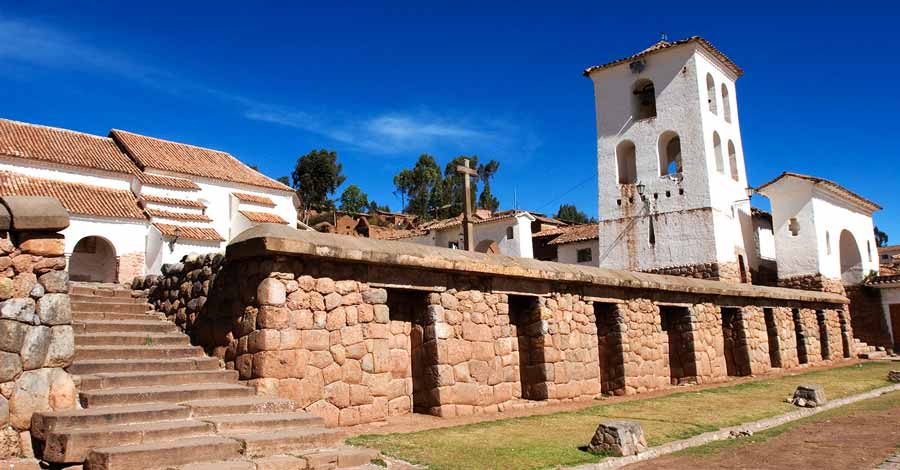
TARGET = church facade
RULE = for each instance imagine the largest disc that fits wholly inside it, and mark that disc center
(137, 202)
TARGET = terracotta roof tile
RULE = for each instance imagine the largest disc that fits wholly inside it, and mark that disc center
(662, 45)
(457, 221)
(830, 185)
(150, 152)
(263, 217)
(168, 182)
(178, 215)
(254, 199)
(76, 198)
(577, 233)
(50, 144)
(170, 201)
(191, 233)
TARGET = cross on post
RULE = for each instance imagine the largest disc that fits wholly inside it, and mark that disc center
(468, 223)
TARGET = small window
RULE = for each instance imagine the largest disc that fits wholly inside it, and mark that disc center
(626, 162)
(669, 154)
(827, 242)
(732, 160)
(644, 99)
(726, 104)
(510, 233)
(711, 93)
(794, 226)
(584, 255)
(717, 148)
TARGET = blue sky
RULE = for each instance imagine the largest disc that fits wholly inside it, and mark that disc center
(381, 84)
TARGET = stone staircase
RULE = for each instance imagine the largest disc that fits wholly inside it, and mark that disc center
(865, 351)
(150, 400)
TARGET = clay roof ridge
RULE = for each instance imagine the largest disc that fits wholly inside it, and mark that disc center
(53, 128)
(662, 45)
(819, 180)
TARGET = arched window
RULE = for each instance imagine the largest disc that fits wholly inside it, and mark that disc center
(669, 154)
(626, 162)
(726, 104)
(717, 147)
(644, 99)
(711, 93)
(732, 160)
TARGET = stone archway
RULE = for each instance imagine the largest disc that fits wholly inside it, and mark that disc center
(851, 259)
(93, 260)
(487, 246)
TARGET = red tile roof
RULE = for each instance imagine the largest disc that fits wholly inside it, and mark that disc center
(191, 233)
(150, 152)
(254, 199)
(263, 217)
(170, 201)
(828, 184)
(178, 215)
(168, 182)
(76, 198)
(577, 233)
(662, 45)
(60, 146)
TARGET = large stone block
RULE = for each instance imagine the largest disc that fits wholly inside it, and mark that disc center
(42, 244)
(10, 366)
(12, 335)
(54, 309)
(21, 309)
(619, 438)
(271, 291)
(36, 213)
(809, 396)
(61, 350)
(35, 347)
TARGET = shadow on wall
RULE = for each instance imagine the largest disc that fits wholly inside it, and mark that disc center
(93, 260)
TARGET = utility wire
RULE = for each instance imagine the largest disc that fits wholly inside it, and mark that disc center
(569, 191)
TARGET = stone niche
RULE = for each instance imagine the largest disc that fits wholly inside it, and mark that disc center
(36, 337)
(357, 330)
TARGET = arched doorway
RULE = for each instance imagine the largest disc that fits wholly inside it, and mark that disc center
(93, 260)
(487, 246)
(851, 259)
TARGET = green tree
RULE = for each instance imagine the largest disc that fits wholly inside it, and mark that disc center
(881, 238)
(353, 200)
(486, 173)
(569, 213)
(454, 186)
(416, 186)
(316, 176)
(374, 206)
(285, 180)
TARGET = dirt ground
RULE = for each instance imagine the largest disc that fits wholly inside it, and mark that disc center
(861, 440)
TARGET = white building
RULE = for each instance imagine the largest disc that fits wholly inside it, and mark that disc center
(673, 187)
(824, 235)
(577, 244)
(137, 202)
(506, 234)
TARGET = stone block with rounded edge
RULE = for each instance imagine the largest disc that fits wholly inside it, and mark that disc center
(271, 291)
(36, 213)
(809, 396)
(894, 376)
(618, 437)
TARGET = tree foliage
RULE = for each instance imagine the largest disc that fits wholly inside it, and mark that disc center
(569, 213)
(486, 173)
(419, 185)
(429, 192)
(881, 238)
(316, 176)
(353, 200)
(285, 180)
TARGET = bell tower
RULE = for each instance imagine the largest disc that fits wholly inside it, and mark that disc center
(673, 187)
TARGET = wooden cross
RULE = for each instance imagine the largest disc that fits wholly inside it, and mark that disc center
(468, 223)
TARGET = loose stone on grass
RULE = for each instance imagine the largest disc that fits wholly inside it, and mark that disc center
(809, 396)
(619, 438)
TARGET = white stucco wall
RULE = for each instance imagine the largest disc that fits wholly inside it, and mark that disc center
(568, 253)
(685, 237)
(38, 169)
(520, 245)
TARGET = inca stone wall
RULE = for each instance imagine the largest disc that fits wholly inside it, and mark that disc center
(36, 336)
(356, 332)
(814, 282)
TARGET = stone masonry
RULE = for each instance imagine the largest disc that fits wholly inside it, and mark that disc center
(36, 336)
(356, 330)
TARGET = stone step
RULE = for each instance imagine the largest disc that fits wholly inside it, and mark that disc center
(105, 307)
(263, 422)
(80, 298)
(131, 339)
(73, 446)
(232, 465)
(162, 394)
(872, 355)
(44, 423)
(291, 442)
(154, 365)
(164, 454)
(96, 291)
(233, 406)
(105, 381)
(340, 457)
(124, 326)
(96, 316)
(86, 353)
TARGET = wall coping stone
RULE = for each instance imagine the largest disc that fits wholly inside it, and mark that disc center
(277, 239)
(35, 213)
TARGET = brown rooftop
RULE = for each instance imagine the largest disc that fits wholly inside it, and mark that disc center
(171, 201)
(663, 45)
(263, 217)
(150, 152)
(75, 197)
(190, 233)
(168, 182)
(577, 233)
(194, 217)
(61, 146)
(254, 199)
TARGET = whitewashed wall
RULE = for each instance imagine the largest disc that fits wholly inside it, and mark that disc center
(38, 169)
(568, 253)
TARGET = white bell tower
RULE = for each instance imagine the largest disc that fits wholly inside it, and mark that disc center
(673, 186)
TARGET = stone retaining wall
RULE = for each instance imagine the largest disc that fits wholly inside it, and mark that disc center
(355, 332)
(36, 337)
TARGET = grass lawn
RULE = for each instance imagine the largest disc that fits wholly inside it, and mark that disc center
(553, 440)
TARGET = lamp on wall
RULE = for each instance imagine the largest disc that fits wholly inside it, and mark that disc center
(640, 188)
(174, 240)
